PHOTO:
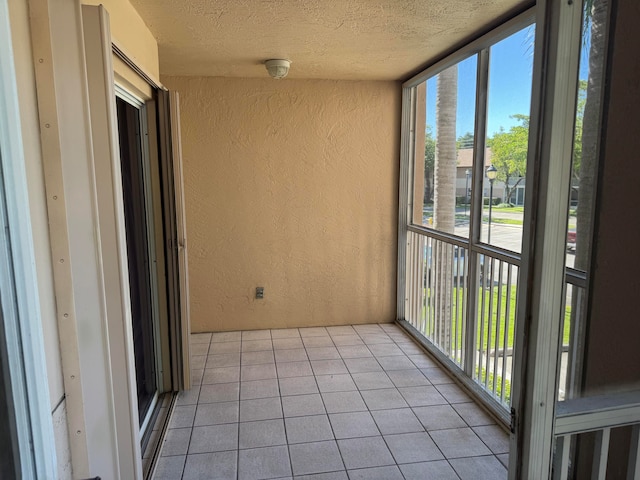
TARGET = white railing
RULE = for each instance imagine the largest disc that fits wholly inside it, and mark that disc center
(463, 302)
(572, 335)
(598, 415)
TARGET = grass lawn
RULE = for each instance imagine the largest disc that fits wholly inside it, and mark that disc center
(509, 209)
(504, 221)
(488, 341)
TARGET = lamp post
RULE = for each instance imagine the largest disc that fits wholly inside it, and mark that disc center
(466, 190)
(492, 173)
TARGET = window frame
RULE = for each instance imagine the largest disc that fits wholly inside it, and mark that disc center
(21, 306)
(479, 47)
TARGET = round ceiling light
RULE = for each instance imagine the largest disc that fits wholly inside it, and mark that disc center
(277, 68)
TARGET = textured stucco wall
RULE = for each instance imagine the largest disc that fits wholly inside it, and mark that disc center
(290, 185)
(130, 32)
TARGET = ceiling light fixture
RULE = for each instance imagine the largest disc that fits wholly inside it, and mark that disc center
(277, 68)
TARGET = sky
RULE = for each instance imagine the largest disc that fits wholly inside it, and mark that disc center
(510, 70)
(510, 78)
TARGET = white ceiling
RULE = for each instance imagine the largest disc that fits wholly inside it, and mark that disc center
(331, 39)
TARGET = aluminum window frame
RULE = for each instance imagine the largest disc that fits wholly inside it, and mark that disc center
(481, 48)
(536, 361)
(21, 307)
(132, 99)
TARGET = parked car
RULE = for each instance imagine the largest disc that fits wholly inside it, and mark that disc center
(458, 265)
(571, 241)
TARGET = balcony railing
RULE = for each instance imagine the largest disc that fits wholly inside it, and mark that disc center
(572, 334)
(463, 301)
(598, 416)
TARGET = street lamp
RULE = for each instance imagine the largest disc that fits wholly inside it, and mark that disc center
(491, 173)
(466, 190)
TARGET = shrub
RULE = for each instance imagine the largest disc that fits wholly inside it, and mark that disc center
(481, 373)
(496, 201)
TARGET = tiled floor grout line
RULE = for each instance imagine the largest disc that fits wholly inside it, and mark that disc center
(361, 335)
(239, 395)
(324, 405)
(424, 428)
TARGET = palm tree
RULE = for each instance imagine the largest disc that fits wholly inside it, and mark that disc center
(595, 19)
(445, 200)
(595, 23)
(445, 164)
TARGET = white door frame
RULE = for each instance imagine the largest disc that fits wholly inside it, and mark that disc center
(76, 105)
(18, 280)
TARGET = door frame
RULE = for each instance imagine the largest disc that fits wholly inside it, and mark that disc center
(132, 99)
(21, 307)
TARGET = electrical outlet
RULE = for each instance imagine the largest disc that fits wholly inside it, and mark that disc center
(259, 293)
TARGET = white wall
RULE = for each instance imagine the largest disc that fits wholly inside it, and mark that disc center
(19, 18)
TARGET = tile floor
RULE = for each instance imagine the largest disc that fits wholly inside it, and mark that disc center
(349, 402)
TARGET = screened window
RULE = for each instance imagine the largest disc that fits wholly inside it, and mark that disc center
(507, 140)
(445, 122)
(469, 151)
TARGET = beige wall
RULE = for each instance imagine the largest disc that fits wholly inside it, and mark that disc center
(290, 185)
(131, 34)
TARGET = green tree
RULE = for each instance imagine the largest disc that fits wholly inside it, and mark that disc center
(465, 141)
(429, 163)
(577, 144)
(509, 154)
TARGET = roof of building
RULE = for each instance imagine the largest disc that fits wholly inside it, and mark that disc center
(465, 157)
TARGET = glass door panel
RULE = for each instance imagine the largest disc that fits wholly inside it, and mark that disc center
(508, 109)
(138, 253)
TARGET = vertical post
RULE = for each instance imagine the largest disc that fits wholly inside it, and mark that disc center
(540, 306)
(633, 467)
(20, 316)
(475, 210)
(490, 205)
(404, 195)
(466, 191)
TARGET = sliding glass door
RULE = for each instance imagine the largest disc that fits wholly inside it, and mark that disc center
(140, 250)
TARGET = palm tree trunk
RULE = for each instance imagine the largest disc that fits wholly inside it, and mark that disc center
(445, 169)
(590, 133)
(445, 200)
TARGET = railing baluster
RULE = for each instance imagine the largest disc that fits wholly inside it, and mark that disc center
(498, 323)
(507, 321)
(439, 295)
(633, 468)
(489, 324)
(454, 291)
(415, 284)
(412, 276)
(561, 458)
(430, 282)
(482, 310)
(463, 323)
(515, 320)
(600, 454)
(410, 279)
(463, 319)
(438, 305)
